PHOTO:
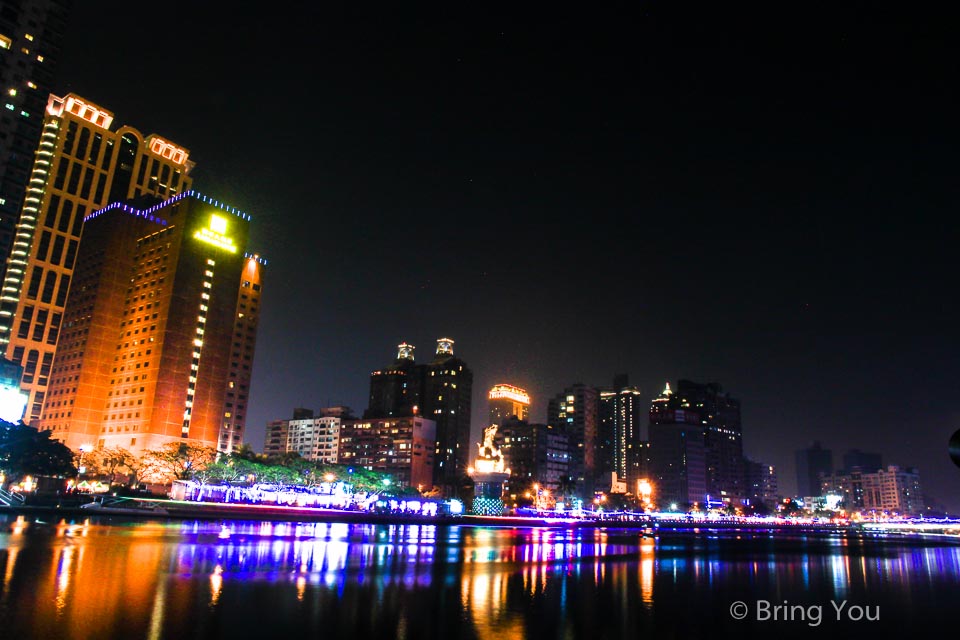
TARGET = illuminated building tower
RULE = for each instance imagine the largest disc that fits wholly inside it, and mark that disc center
(677, 458)
(439, 390)
(30, 37)
(575, 412)
(507, 401)
(149, 351)
(619, 437)
(397, 389)
(80, 166)
(448, 385)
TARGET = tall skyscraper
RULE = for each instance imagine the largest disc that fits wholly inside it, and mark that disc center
(622, 416)
(158, 329)
(507, 401)
(811, 462)
(575, 412)
(81, 165)
(677, 453)
(719, 415)
(439, 390)
(30, 38)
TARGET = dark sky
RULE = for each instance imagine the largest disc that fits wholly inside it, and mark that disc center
(765, 201)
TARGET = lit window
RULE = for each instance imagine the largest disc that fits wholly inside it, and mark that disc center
(12, 92)
(5, 42)
(28, 37)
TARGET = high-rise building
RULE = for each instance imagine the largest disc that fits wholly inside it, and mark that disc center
(439, 390)
(80, 166)
(677, 454)
(621, 419)
(30, 39)
(575, 412)
(396, 390)
(402, 447)
(719, 415)
(507, 401)
(158, 330)
(761, 482)
(894, 490)
(448, 388)
(811, 462)
(534, 453)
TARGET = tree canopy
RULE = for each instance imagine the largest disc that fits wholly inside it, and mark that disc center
(25, 451)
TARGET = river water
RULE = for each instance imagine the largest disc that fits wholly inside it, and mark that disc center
(107, 578)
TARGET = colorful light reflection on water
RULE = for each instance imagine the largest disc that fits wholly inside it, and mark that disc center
(110, 579)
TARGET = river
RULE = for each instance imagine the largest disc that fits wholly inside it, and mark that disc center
(105, 577)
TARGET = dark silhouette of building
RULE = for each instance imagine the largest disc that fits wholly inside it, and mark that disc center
(677, 455)
(719, 416)
(534, 453)
(761, 483)
(159, 329)
(31, 34)
(811, 462)
(575, 412)
(439, 390)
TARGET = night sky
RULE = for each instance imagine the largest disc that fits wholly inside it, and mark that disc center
(762, 200)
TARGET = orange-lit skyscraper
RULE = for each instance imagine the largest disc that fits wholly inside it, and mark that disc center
(80, 166)
(505, 401)
(159, 329)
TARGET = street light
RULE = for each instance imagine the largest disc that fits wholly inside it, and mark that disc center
(84, 448)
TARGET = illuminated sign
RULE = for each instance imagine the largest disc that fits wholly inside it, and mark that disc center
(509, 392)
(216, 234)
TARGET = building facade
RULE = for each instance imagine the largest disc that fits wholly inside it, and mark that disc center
(575, 412)
(403, 447)
(621, 420)
(719, 416)
(153, 348)
(678, 463)
(534, 454)
(893, 490)
(31, 34)
(314, 438)
(80, 166)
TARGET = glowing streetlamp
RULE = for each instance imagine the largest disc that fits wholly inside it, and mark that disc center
(84, 448)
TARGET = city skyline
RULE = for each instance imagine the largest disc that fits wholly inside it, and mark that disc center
(572, 199)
